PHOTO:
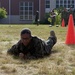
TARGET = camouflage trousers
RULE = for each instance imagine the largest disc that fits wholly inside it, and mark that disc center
(48, 46)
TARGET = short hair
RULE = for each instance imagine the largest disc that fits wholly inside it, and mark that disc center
(26, 31)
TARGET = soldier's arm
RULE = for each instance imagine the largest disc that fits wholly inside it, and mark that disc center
(14, 50)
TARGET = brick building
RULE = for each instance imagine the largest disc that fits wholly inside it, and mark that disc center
(23, 11)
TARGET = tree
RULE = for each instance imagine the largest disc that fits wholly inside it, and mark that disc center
(3, 13)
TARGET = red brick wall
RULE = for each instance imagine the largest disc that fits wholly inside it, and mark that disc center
(5, 4)
(36, 6)
(42, 9)
(15, 6)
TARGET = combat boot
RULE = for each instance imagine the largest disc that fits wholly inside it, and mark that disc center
(53, 37)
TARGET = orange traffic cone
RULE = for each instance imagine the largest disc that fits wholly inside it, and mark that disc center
(74, 37)
(63, 23)
(70, 38)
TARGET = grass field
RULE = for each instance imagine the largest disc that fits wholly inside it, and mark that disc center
(60, 62)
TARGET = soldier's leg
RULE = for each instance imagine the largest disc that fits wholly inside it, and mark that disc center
(52, 22)
(52, 39)
(51, 42)
(37, 23)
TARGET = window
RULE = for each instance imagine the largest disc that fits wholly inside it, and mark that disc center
(68, 1)
(57, 6)
(65, 6)
(47, 3)
(61, 5)
(26, 10)
(57, 3)
(61, 2)
(72, 2)
(65, 3)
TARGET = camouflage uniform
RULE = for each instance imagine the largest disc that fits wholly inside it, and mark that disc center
(74, 16)
(36, 49)
(70, 11)
(65, 16)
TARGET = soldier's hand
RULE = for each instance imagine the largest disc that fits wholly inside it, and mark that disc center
(21, 55)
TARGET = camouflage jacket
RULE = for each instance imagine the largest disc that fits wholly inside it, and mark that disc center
(37, 48)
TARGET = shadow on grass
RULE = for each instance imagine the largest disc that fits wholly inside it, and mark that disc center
(54, 51)
(29, 60)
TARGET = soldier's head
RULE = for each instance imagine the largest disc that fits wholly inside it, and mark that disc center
(65, 9)
(26, 36)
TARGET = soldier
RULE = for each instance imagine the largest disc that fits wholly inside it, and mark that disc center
(32, 47)
(53, 17)
(37, 18)
(65, 16)
(70, 11)
(74, 16)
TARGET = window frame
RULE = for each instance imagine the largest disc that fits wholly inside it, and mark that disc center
(24, 15)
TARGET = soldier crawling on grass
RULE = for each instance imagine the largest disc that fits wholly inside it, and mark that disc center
(32, 47)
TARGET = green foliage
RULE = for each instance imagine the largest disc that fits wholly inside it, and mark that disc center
(3, 13)
(58, 17)
(59, 10)
(47, 19)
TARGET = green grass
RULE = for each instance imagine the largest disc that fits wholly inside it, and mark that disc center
(60, 62)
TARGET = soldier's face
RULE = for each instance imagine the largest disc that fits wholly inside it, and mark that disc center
(25, 38)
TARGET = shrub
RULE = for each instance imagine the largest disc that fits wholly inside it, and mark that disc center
(3, 13)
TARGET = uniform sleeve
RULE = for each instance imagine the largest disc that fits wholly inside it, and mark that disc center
(13, 50)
